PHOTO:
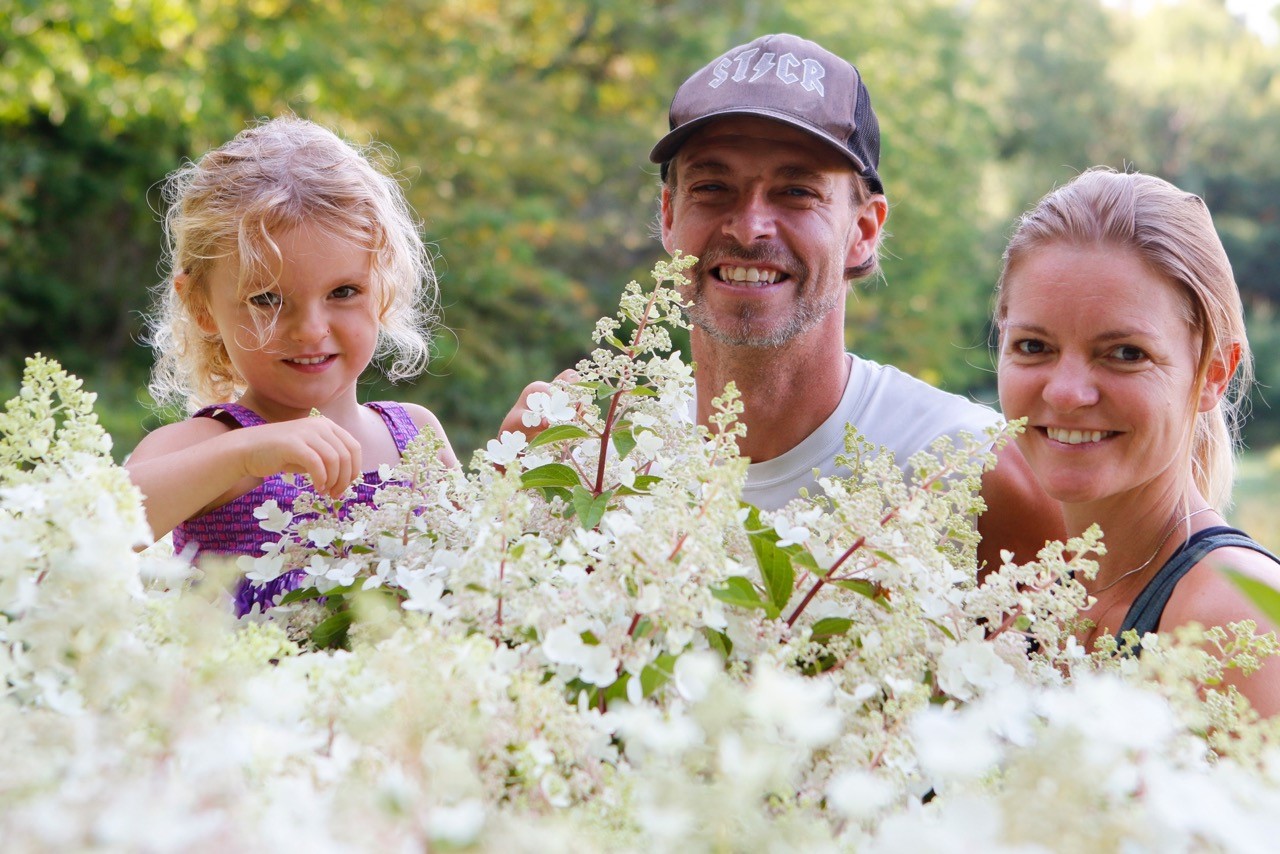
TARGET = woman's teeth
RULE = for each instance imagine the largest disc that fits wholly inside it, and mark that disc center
(1076, 437)
(748, 275)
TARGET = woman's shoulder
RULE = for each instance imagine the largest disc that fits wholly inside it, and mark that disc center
(1208, 596)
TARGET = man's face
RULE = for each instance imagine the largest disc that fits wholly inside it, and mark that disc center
(769, 212)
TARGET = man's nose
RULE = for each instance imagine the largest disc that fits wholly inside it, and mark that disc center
(752, 219)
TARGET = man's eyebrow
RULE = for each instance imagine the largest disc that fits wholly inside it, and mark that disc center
(801, 173)
(706, 166)
(790, 172)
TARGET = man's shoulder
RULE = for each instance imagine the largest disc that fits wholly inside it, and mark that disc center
(886, 389)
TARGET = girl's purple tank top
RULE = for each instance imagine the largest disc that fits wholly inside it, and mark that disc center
(232, 528)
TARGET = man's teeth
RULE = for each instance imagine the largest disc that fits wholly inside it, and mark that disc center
(748, 275)
(1076, 437)
(313, 360)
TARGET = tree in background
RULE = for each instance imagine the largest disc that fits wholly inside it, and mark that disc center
(522, 130)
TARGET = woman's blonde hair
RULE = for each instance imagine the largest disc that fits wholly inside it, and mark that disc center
(1172, 232)
(273, 177)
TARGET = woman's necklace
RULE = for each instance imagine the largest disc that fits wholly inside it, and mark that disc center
(1147, 562)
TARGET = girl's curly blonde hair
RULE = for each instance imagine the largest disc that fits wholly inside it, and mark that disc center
(275, 176)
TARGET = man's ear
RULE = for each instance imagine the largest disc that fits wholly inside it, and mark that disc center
(865, 235)
(666, 216)
(1222, 366)
(197, 303)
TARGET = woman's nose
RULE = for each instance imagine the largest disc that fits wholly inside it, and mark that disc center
(1070, 386)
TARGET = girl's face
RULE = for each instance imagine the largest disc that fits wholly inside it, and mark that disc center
(302, 341)
(1097, 353)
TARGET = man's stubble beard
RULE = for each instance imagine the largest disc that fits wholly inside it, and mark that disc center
(742, 330)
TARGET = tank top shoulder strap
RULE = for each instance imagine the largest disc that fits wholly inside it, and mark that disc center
(241, 415)
(1145, 612)
(398, 421)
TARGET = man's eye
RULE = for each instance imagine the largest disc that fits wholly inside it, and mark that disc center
(266, 299)
(801, 192)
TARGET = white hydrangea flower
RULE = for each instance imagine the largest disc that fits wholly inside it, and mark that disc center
(554, 408)
(271, 517)
(504, 450)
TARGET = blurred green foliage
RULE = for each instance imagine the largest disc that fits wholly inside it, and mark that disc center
(521, 130)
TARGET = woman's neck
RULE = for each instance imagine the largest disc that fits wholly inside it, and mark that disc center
(1140, 531)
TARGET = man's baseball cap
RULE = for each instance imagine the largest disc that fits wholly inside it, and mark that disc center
(787, 79)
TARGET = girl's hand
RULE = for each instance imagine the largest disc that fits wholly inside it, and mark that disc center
(316, 447)
(515, 421)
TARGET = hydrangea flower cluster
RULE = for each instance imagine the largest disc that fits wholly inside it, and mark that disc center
(588, 642)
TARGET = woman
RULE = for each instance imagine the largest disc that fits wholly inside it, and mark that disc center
(1122, 342)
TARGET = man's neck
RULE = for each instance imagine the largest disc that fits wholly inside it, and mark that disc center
(787, 392)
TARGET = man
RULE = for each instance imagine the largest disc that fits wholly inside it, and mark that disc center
(769, 178)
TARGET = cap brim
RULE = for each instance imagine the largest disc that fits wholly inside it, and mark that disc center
(671, 143)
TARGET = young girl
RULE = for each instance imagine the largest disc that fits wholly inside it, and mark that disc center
(293, 263)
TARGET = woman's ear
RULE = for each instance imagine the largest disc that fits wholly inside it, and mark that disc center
(196, 303)
(1222, 366)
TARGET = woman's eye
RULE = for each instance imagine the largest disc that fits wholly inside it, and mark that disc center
(1029, 347)
(345, 291)
(266, 299)
(1129, 353)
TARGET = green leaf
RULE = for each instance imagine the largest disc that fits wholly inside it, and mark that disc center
(718, 641)
(1261, 594)
(624, 441)
(332, 633)
(589, 508)
(739, 591)
(617, 689)
(643, 483)
(558, 433)
(298, 594)
(644, 391)
(550, 492)
(775, 567)
(655, 675)
(831, 627)
(866, 588)
(552, 474)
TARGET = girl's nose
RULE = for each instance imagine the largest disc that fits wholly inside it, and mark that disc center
(309, 324)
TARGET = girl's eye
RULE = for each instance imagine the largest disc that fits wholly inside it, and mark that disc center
(1129, 353)
(345, 292)
(266, 299)
(1029, 347)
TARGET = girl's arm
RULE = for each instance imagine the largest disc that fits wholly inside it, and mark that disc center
(427, 421)
(188, 468)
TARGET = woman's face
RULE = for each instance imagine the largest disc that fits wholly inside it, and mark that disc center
(1097, 353)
